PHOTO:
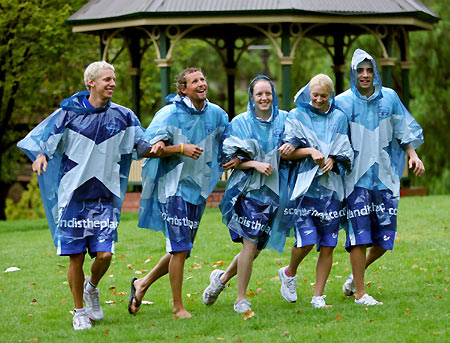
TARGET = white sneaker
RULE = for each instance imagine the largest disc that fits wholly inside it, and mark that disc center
(349, 286)
(242, 306)
(288, 286)
(81, 321)
(211, 292)
(92, 301)
(367, 300)
(319, 301)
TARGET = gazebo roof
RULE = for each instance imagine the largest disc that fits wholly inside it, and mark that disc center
(106, 14)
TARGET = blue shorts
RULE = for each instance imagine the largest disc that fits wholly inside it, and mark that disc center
(182, 220)
(251, 220)
(87, 225)
(372, 218)
(318, 222)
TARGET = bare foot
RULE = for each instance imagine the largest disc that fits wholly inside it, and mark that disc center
(181, 314)
(133, 308)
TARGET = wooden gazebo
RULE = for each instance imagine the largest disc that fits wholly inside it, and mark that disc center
(285, 23)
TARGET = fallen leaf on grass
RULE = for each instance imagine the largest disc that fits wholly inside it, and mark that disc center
(239, 340)
(259, 290)
(121, 256)
(339, 318)
(130, 266)
(439, 296)
(60, 272)
(34, 339)
(251, 294)
(106, 331)
(112, 287)
(189, 277)
(34, 301)
(275, 278)
(379, 288)
(65, 282)
(138, 272)
(148, 260)
(61, 265)
(319, 334)
(414, 266)
(63, 301)
(407, 310)
(248, 314)
(299, 312)
(32, 284)
(220, 338)
(219, 263)
(285, 333)
(29, 315)
(145, 302)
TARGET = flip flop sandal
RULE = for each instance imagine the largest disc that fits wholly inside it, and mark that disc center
(133, 297)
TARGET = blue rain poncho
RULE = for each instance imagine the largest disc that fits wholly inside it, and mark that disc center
(250, 194)
(89, 153)
(380, 128)
(327, 132)
(178, 175)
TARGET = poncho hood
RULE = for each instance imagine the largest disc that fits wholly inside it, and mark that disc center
(75, 104)
(359, 56)
(179, 101)
(251, 102)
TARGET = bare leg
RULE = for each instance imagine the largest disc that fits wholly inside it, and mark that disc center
(297, 256)
(374, 253)
(232, 268)
(75, 275)
(244, 267)
(176, 269)
(100, 266)
(323, 268)
(142, 284)
(358, 262)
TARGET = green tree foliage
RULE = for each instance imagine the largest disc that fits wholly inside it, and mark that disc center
(30, 205)
(430, 103)
(41, 62)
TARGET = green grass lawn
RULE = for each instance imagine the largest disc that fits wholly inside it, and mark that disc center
(412, 281)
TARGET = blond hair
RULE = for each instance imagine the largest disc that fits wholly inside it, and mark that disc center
(322, 80)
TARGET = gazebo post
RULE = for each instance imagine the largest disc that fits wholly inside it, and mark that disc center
(388, 63)
(286, 63)
(135, 72)
(164, 65)
(230, 68)
(339, 62)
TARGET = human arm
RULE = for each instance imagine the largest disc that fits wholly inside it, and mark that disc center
(40, 164)
(261, 167)
(300, 153)
(160, 150)
(414, 160)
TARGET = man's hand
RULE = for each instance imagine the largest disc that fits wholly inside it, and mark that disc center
(157, 149)
(417, 163)
(40, 165)
(192, 151)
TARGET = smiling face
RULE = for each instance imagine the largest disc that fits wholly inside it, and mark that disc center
(263, 97)
(365, 78)
(102, 88)
(320, 97)
(196, 88)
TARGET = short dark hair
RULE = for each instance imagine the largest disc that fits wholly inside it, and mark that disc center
(180, 81)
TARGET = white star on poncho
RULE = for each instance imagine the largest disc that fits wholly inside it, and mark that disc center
(371, 147)
(93, 160)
